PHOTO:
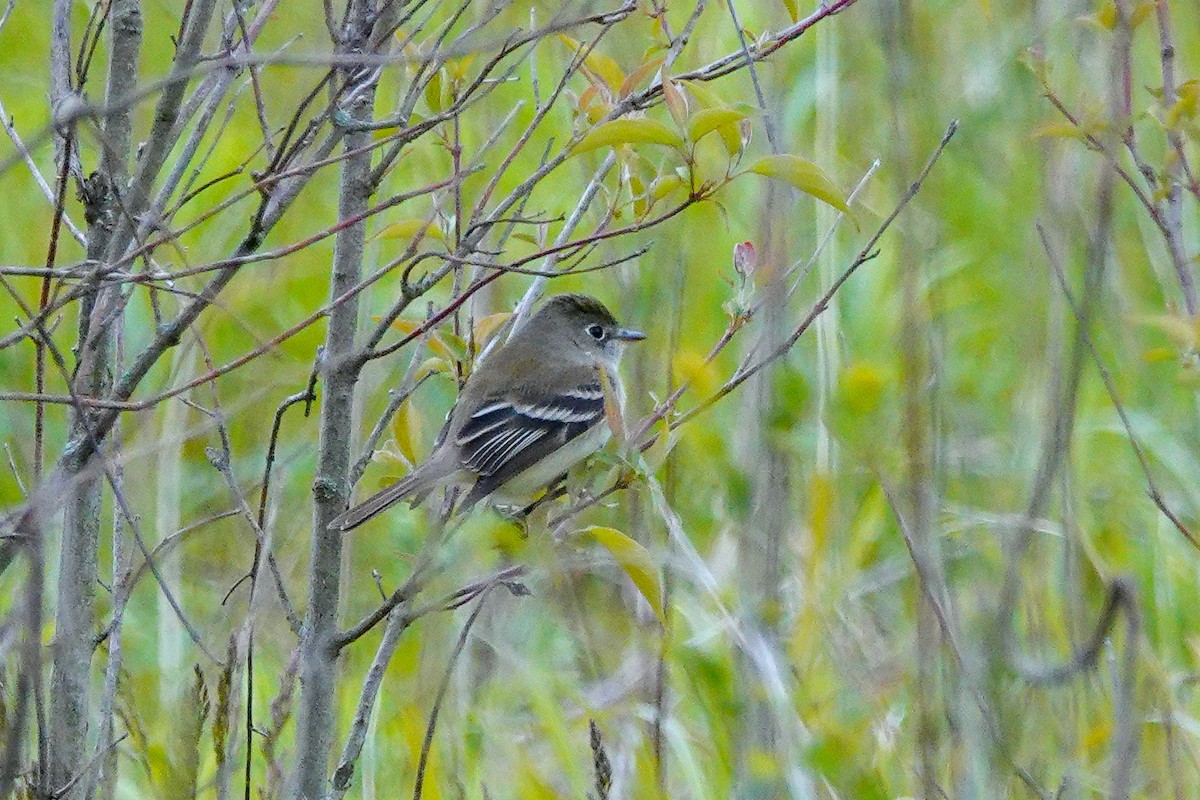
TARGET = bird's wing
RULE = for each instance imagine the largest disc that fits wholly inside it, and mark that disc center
(507, 435)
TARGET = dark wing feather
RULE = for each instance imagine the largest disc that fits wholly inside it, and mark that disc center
(506, 436)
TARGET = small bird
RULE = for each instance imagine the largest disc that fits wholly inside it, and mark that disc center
(534, 408)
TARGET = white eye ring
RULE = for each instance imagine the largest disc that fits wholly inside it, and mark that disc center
(596, 332)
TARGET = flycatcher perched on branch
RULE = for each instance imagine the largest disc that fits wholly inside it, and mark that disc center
(533, 409)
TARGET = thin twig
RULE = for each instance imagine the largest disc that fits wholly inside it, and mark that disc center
(397, 623)
(538, 286)
(87, 768)
(427, 742)
(866, 254)
(1151, 487)
(11, 129)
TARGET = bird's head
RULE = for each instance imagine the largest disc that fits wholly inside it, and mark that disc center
(587, 323)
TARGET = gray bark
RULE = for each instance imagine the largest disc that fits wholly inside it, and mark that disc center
(163, 135)
(74, 620)
(331, 484)
(70, 681)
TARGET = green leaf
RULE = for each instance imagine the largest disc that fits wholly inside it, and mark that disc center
(664, 442)
(457, 67)
(1058, 130)
(448, 345)
(434, 365)
(433, 92)
(707, 120)
(804, 175)
(487, 327)
(411, 229)
(704, 96)
(666, 185)
(405, 432)
(637, 563)
(638, 190)
(628, 131)
(1106, 18)
(598, 64)
(710, 163)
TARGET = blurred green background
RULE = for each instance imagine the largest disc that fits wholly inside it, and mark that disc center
(837, 671)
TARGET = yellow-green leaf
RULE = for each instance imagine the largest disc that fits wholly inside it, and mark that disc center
(666, 185)
(1140, 13)
(664, 443)
(710, 163)
(432, 365)
(704, 96)
(628, 131)
(598, 64)
(804, 175)
(596, 112)
(1057, 130)
(405, 326)
(457, 67)
(486, 327)
(637, 563)
(410, 229)
(381, 133)
(707, 120)
(735, 137)
(448, 345)
(1157, 355)
(1186, 107)
(433, 92)
(405, 432)
(1105, 17)
(638, 190)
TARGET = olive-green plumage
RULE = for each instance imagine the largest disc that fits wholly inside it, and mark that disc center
(532, 409)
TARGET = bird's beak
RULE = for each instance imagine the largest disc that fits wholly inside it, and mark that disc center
(627, 335)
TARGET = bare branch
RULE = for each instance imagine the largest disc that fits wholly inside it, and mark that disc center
(1151, 488)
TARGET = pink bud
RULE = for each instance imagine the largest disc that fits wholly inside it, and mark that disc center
(744, 258)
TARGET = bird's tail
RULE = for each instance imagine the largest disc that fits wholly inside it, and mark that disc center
(412, 486)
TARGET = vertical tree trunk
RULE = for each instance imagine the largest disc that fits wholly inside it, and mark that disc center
(74, 620)
(68, 681)
(331, 484)
(125, 21)
(74, 624)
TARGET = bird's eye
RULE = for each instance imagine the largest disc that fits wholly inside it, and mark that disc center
(596, 332)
